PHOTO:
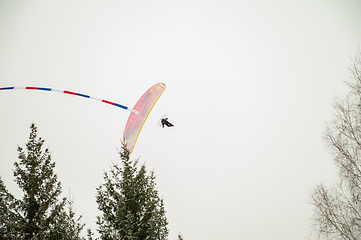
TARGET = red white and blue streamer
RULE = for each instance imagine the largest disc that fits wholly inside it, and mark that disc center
(72, 93)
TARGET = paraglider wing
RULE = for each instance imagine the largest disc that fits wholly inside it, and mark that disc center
(136, 121)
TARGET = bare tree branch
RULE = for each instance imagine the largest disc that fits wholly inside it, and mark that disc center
(337, 209)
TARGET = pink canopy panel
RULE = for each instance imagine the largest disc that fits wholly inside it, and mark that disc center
(136, 121)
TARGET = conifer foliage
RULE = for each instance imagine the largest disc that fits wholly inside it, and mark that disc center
(8, 215)
(129, 202)
(40, 214)
(40, 210)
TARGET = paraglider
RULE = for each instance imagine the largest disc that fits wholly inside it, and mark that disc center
(136, 121)
(164, 121)
(138, 116)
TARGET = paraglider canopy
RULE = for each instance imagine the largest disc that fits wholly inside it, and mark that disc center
(137, 117)
(136, 121)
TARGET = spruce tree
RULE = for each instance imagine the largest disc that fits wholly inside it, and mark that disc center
(129, 202)
(72, 224)
(41, 211)
(8, 215)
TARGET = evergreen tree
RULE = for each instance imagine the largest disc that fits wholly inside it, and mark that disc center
(72, 224)
(8, 215)
(41, 214)
(129, 202)
(180, 237)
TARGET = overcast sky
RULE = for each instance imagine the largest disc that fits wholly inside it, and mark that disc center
(249, 88)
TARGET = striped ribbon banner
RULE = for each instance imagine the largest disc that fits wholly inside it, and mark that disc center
(72, 93)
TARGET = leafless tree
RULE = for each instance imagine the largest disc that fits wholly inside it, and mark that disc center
(337, 209)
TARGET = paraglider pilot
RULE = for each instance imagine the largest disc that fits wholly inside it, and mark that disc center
(164, 121)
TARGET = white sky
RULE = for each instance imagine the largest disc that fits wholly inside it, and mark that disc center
(249, 87)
